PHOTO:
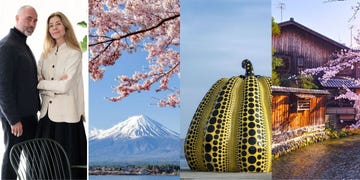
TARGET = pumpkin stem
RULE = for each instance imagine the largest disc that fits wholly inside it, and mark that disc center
(246, 64)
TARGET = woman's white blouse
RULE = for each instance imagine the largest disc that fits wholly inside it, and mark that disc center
(63, 100)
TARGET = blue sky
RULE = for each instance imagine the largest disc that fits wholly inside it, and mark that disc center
(104, 114)
(327, 18)
(215, 37)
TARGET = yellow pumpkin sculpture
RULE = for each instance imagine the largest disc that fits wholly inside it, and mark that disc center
(231, 128)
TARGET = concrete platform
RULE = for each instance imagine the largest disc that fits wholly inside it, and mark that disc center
(192, 175)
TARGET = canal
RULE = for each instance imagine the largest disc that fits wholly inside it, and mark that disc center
(332, 159)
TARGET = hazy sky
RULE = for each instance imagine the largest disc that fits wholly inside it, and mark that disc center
(215, 37)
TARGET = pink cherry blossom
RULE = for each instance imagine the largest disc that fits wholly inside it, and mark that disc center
(342, 62)
(131, 25)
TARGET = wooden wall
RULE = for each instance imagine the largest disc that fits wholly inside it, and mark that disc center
(295, 43)
(285, 115)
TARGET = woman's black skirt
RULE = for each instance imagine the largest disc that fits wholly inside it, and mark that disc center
(72, 137)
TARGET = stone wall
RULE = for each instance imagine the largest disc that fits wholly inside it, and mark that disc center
(285, 142)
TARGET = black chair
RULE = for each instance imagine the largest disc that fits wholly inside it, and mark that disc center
(40, 158)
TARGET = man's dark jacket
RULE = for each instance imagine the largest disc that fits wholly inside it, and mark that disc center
(19, 96)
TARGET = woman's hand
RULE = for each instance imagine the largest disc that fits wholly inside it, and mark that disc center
(64, 77)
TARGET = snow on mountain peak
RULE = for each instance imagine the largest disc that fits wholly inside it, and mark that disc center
(134, 127)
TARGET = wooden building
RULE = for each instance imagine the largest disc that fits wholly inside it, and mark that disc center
(296, 111)
(302, 48)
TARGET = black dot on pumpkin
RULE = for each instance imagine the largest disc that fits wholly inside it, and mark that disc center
(258, 163)
(208, 138)
(218, 126)
(251, 118)
(251, 125)
(243, 159)
(259, 157)
(252, 150)
(222, 93)
(207, 147)
(215, 142)
(258, 170)
(207, 157)
(243, 153)
(215, 148)
(217, 106)
(252, 132)
(210, 167)
(216, 136)
(251, 168)
(243, 147)
(251, 159)
(244, 141)
(251, 111)
(251, 99)
(252, 141)
(217, 131)
(215, 112)
(219, 99)
(212, 120)
(211, 128)
(251, 105)
(214, 154)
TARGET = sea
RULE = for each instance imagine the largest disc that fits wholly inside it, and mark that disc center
(134, 177)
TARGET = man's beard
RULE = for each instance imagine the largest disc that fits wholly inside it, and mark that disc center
(28, 31)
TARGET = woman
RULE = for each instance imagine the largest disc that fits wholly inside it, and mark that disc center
(62, 93)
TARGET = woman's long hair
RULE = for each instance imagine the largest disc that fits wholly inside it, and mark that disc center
(70, 38)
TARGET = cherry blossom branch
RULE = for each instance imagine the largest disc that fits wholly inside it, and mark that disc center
(126, 25)
(137, 32)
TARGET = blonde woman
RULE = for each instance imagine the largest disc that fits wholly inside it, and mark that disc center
(61, 89)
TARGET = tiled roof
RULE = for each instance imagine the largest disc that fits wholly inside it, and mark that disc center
(281, 89)
(338, 83)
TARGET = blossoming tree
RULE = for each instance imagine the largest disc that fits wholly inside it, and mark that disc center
(118, 26)
(344, 61)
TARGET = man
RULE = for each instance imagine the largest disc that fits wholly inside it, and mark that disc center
(19, 98)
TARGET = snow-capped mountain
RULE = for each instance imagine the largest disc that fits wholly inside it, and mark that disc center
(134, 127)
(137, 139)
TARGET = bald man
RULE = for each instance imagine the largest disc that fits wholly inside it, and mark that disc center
(19, 98)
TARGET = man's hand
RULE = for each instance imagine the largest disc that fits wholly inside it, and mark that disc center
(17, 129)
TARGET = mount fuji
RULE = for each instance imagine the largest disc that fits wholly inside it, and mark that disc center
(138, 139)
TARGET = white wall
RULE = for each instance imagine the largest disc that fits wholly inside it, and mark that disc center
(76, 11)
